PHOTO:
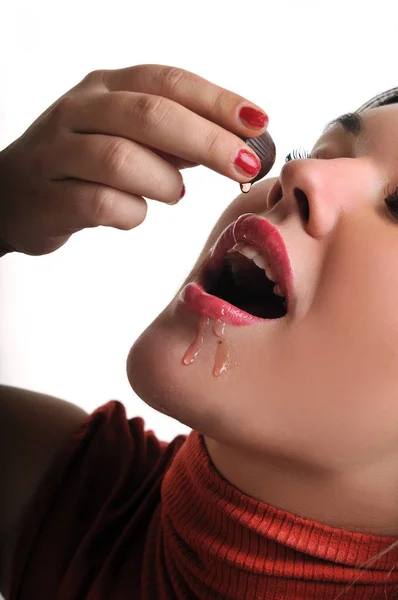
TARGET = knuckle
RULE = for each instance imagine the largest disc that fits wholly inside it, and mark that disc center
(62, 109)
(94, 77)
(170, 77)
(114, 157)
(212, 142)
(219, 97)
(150, 111)
(101, 206)
(138, 71)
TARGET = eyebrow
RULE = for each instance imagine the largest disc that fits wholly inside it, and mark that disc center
(351, 123)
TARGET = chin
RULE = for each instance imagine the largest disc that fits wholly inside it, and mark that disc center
(158, 376)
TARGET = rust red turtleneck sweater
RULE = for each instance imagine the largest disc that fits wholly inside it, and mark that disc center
(124, 516)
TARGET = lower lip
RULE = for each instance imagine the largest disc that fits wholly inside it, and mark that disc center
(197, 300)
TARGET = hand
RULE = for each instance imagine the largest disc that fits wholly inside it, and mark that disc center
(115, 138)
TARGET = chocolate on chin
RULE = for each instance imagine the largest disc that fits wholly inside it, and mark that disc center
(264, 147)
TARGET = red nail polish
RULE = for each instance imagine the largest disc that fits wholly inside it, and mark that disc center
(252, 117)
(179, 198)
(182, 192)
(247, 162)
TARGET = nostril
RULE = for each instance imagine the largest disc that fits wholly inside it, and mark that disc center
(303, 204)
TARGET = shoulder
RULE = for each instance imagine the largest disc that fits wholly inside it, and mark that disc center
(110, 466)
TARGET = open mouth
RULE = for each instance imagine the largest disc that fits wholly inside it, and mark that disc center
(247, 277)
(244, 284)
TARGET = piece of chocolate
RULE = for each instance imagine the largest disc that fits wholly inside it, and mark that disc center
(264, 147)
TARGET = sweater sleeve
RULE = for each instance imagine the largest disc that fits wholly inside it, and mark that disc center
(104, 484)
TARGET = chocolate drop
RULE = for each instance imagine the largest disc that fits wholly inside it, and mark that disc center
(264, 147)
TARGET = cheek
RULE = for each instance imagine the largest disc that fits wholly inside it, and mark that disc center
(357, 301)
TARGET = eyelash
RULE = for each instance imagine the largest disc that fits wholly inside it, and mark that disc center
(391, 198)
(297, 153)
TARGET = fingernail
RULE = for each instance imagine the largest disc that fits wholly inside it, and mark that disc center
(247, 162)
(182, 192)
(253, 117)
(180, 196)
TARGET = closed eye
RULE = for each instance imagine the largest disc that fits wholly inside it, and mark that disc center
(297, 153)
(391, 200)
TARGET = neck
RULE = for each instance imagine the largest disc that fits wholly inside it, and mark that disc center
(361, 499)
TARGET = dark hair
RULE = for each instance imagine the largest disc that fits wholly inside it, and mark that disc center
(382, 99)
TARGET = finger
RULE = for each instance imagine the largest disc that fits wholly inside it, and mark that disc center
(84, 204)
(176, 161)
(118, 163)
(167, 126)
(217, 104)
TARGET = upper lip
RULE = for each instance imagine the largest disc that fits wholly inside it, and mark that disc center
(259, 233)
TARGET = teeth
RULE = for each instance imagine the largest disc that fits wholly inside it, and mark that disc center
(278, 290)
(253, 254)
(269, 273)
(259, 260)
(249, 251)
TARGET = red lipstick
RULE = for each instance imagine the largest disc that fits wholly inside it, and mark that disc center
(206, 305)
(255, 231)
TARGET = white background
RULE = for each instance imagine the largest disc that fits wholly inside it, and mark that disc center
(67, 320)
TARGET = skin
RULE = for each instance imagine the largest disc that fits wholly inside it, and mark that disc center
(111, 142)
(305, 417)
(95, 157)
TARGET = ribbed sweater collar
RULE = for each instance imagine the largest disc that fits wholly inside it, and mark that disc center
(220, 543)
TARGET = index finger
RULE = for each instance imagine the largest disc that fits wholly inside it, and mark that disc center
(217, 104)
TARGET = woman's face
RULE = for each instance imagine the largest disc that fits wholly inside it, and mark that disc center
(319, 385)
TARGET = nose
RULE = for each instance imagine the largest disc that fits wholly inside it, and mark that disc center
(318, 191)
